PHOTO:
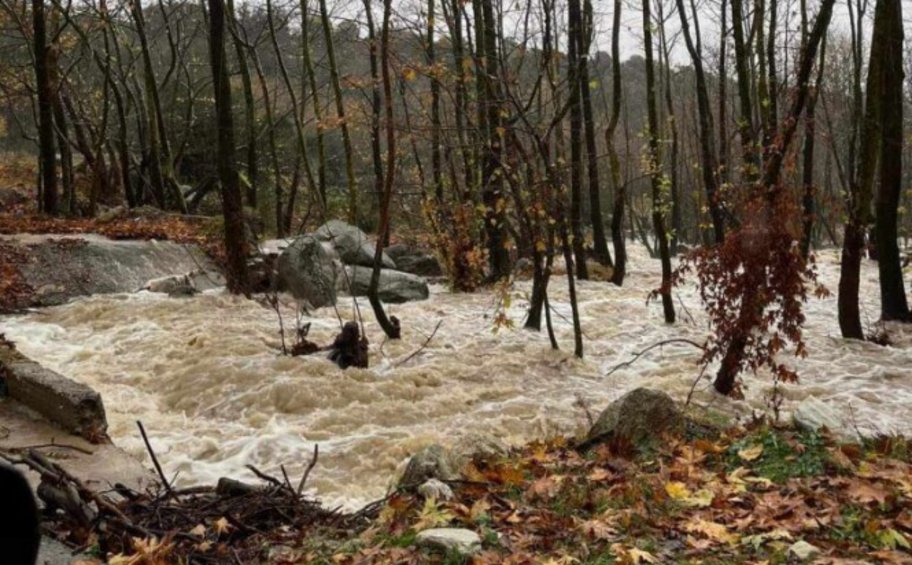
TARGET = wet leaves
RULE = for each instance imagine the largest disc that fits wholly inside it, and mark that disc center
(747, 496)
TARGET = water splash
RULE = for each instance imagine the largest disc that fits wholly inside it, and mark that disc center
(205, 377)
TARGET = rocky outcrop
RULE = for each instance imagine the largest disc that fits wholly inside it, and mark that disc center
(58, 268)
(352, 244)
(307, 271)
(415, 261)
(395, 286)
(640, 415)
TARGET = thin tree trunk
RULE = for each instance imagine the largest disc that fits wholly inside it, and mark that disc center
(340, 113)
(620, 189)
(574, 32)
(390, 325)
(376, 156)
(708, 164)
(318, 111)
(47, 152)
(249, 107)
(658, 200)
(232, 204)
(599, 240)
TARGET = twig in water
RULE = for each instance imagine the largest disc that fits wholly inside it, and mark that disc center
(684, 308)
(423, 345)
(639, 354)
(158, 468)
(313, 462)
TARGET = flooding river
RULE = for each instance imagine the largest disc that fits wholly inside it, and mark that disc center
(205, 377)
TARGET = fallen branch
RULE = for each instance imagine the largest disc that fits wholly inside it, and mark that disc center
(423, 346)
(639, 354)
(310, 467)
(158, 468)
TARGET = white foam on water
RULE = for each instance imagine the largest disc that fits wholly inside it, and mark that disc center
(205, 376)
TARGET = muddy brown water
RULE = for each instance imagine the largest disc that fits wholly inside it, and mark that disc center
(205, 377)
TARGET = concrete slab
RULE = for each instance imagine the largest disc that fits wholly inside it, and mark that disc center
(98, 465)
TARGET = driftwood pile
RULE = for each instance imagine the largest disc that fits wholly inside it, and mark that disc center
(230, 522)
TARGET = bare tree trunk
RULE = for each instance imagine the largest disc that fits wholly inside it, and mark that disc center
(894, 305)
(340, 113)
(390, 325)
(232, 206)
(574, 32)
(249, 107)
(436, 166)
(620, 189)
(284, 219)
(491, 179)
(160, 152)
(599, 239)
(318, 111)
(376, 157)
(751, 163)
(47, 152)
(708, 164)
(655, 170)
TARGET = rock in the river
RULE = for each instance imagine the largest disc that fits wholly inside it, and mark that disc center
(174, 285)
(307, 271)
(813, 414)
(395, 286)
(432, 462)
(352, 244)
(466, 542)
(639, 415)
(802, 550)
(413, 260)
(433, 488)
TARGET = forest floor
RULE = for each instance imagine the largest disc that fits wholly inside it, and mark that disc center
(755, 494)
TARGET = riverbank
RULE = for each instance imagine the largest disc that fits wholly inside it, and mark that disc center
(761, 493)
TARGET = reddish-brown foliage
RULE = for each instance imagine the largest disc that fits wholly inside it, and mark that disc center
(754, 285)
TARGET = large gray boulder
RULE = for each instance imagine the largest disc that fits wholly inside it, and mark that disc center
(813, 414)
(307, 271)
(640, 415)
(414, 260)
(352, 244)
(396, 287)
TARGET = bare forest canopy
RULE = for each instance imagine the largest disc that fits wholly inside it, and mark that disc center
(751, 131)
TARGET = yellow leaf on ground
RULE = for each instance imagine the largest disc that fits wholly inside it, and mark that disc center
(751, 453)
(677, 490)
(633, 555)
(712, 530)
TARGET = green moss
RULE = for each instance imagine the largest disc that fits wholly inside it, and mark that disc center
(781, 459)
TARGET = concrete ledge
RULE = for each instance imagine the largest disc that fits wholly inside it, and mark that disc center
(75, 407)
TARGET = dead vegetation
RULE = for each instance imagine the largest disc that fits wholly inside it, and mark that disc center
(742, 495)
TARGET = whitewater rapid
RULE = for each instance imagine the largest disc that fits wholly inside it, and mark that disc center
(205, 376)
